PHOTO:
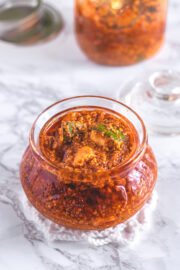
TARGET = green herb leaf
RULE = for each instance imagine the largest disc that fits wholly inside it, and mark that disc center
(112, 134)
(71, 130)
(109, 133)
(100, 127)
(71, 127)
(117, 135)
(120, 134)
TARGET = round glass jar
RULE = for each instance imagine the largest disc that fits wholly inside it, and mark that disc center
(120, 32)
(95, 200)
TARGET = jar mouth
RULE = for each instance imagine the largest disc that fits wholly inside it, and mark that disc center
(43, 115)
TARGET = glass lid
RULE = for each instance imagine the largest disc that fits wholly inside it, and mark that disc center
(28, 22)
(155, 95)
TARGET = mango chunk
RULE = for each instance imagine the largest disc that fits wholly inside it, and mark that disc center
(98, 138)
(84, 154)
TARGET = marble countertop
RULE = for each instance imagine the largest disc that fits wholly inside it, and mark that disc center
(32, 78)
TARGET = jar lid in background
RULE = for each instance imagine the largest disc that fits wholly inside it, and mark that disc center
(28, 22)
(155, 96)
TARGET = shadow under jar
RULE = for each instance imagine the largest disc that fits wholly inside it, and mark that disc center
(72, 191)
(120, 32)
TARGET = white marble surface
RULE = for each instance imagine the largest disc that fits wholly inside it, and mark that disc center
(32, 78)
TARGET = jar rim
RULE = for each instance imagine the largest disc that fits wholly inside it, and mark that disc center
(7, 5)
(13, 25)
(133, 159)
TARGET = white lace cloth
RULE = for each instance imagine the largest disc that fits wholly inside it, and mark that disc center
(128, 232)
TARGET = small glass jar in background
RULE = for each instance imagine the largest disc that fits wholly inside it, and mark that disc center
(120, 32)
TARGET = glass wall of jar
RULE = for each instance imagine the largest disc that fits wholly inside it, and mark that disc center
(120, 32)
(83, 199)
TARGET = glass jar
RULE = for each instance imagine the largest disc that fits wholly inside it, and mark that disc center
(85, 200)
(120, 32)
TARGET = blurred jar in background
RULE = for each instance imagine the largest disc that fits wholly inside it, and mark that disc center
(120, 32)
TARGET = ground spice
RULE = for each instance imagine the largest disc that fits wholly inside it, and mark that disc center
(91, 140)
